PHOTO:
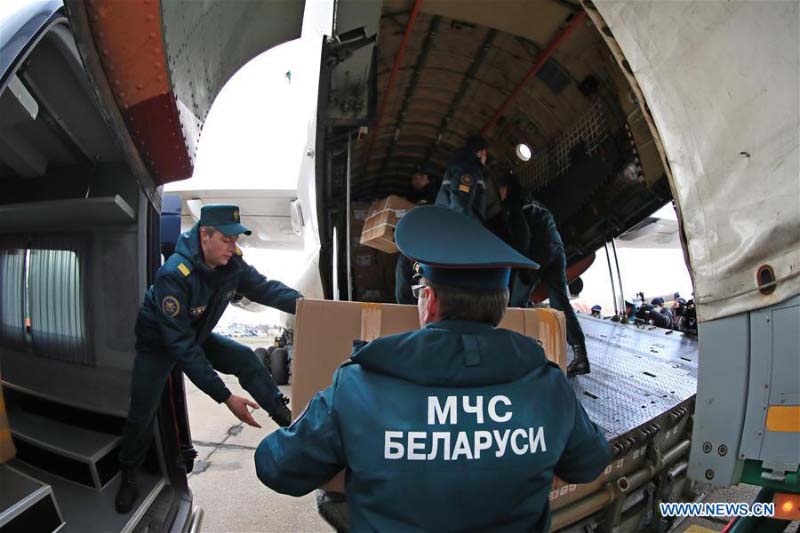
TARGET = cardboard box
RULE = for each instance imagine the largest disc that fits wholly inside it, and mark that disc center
(372, 277)
(7, 450)
(379, 226)
(325, 331)
(374, 295)
(359, 212)
(379, 275)
(363, 258)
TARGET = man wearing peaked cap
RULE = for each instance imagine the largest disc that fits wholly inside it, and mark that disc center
(224, 218)
(457, 426)
(463, 187)
(174, 329)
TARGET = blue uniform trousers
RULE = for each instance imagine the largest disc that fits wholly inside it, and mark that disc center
(554, 276)
(150, 372)
(404, 275)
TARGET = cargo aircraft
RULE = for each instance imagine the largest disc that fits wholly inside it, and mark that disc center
(623, 107)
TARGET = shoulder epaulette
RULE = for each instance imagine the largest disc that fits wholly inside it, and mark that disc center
(178, 263)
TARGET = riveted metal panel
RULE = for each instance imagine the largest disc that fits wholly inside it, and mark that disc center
(780, 451)
(721, 400)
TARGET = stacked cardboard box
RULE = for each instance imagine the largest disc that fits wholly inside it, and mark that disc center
(325, 330)
(372, 270)
(378, 231)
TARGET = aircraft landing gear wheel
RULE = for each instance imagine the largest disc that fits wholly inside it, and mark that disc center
(279, 365)
(263, 356)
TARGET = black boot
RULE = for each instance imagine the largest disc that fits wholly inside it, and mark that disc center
(282, 415)
(128, 491)
(580, 363)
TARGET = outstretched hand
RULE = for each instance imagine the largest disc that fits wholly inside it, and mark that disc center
(239, 408)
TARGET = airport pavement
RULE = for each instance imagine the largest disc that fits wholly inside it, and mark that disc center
(224, 480)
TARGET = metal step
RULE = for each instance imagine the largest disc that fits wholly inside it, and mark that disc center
(26, 504)
(77, 454)
(86, 510)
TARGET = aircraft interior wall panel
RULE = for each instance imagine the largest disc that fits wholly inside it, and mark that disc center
(114, 298)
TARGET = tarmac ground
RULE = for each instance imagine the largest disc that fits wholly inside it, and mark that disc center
(224, 481)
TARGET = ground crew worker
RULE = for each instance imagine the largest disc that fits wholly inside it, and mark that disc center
(547, 248)
(181, 308)
(421, 188)
(457, 426)
(669, 319)
(463, 187)
(420, 191)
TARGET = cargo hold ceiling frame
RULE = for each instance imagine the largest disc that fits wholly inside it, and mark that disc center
(445, 71)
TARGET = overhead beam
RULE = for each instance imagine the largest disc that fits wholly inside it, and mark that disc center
(462, 91)
(427, 44)
(398, 59)
(546, 54)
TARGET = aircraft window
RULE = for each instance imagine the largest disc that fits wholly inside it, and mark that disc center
(524, 152)
(12, 280)
(57, 296)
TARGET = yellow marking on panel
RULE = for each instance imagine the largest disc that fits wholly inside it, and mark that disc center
(783, 418)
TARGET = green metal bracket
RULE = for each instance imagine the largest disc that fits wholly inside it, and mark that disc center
(751, 474)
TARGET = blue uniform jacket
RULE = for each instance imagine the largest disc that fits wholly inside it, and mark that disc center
(463, 188)
(187, 300)
(457, 426)
(546, 243)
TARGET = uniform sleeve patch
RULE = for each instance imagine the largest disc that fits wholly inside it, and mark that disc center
(184, 269)
(170, 306)
(466, 183)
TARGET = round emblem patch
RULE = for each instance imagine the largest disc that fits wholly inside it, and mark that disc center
(170, 306)
(236, 216)
(466, 179)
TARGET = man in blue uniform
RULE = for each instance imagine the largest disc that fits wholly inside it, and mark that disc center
(181, 308)
(421, 191)
(457, 426)
(463, 187)
(547, 248)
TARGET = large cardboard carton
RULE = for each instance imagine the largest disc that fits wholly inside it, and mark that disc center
(369, 277)
(363, 257)
(372, 295)
(7, 450)
(378, 230)
(358, 214)
(325, 331)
